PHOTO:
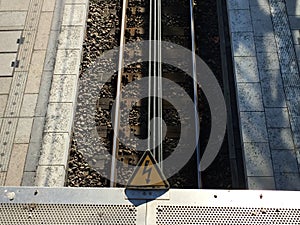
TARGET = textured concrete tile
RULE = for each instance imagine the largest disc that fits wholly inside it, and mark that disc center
(2, 178)
(240, 20)
(33, 156)
(280, 138)
(67, 62)
(3, 101)
(243, 44)
(23, 130)
(294, 107)
(14, 5)
(261, 183)
(16, 165)
(277, 117)
(64, 88)
(293, 7)
(265, 44)
(241, 4)
(292, 93)
(250, 97)
(296, 36)
(254, 127)
(261, 19)
(8, 41)
(28, 105)
(43, 31)
(35, 72)
(246, 69)
(28, 179)
(50, 176)
(295, 124)
(258, 159)
(74, 15)
(291, 79)
(287, 181)
(272, 89)
(71, 37)
(5, 83)
(294, 22)
(267, 61)
(59, 118)
(12, 20)
(284, 161)
(55, 149)
(1, 123)
(6, 60)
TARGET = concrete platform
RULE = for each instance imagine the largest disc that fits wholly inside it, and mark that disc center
(265, 46)
(36, 36)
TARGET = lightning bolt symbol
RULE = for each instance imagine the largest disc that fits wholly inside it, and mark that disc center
(147, 171)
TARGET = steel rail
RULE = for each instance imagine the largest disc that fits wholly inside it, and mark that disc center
(118, 99)
(195, 89)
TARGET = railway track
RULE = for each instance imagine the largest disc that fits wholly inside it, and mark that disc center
(157, 21)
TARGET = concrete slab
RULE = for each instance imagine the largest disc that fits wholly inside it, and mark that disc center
(59, 118)
(6, 60)
(67, 62)
(295, 124)
(253, 126)
(5, 83)
(250, 97)
(28, 179)
(8, 41)
(240, 20)
(55, 149)
(33, 156)
(28, 105)
(272, 89)
(23, 131)
(246, 69)
(74, 15)
(281, 138)
(71, 37)
(12, 20)
(265, 43)
(64, 88)
(43, 32)
(14, 5)
(258, 159)
(277, 117)
(35, 72)
(296, 37)
(261, 183)
(3, 101)
(267, 61)
(285, 161)
(261, 19)
(259, 2)
(50, 176)
(243, 44)
(294, 22)
(293, 8)
(49, 6)
(242, 4)
(2, 178)
(16, 165)
(287, 181)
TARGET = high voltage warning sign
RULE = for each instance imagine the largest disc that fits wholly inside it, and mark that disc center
(148, 174)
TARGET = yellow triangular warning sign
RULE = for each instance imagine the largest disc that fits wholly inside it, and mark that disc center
(147, 174)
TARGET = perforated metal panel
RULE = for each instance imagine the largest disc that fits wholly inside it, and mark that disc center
(59, 214)
(225, 215)
(67, 206)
